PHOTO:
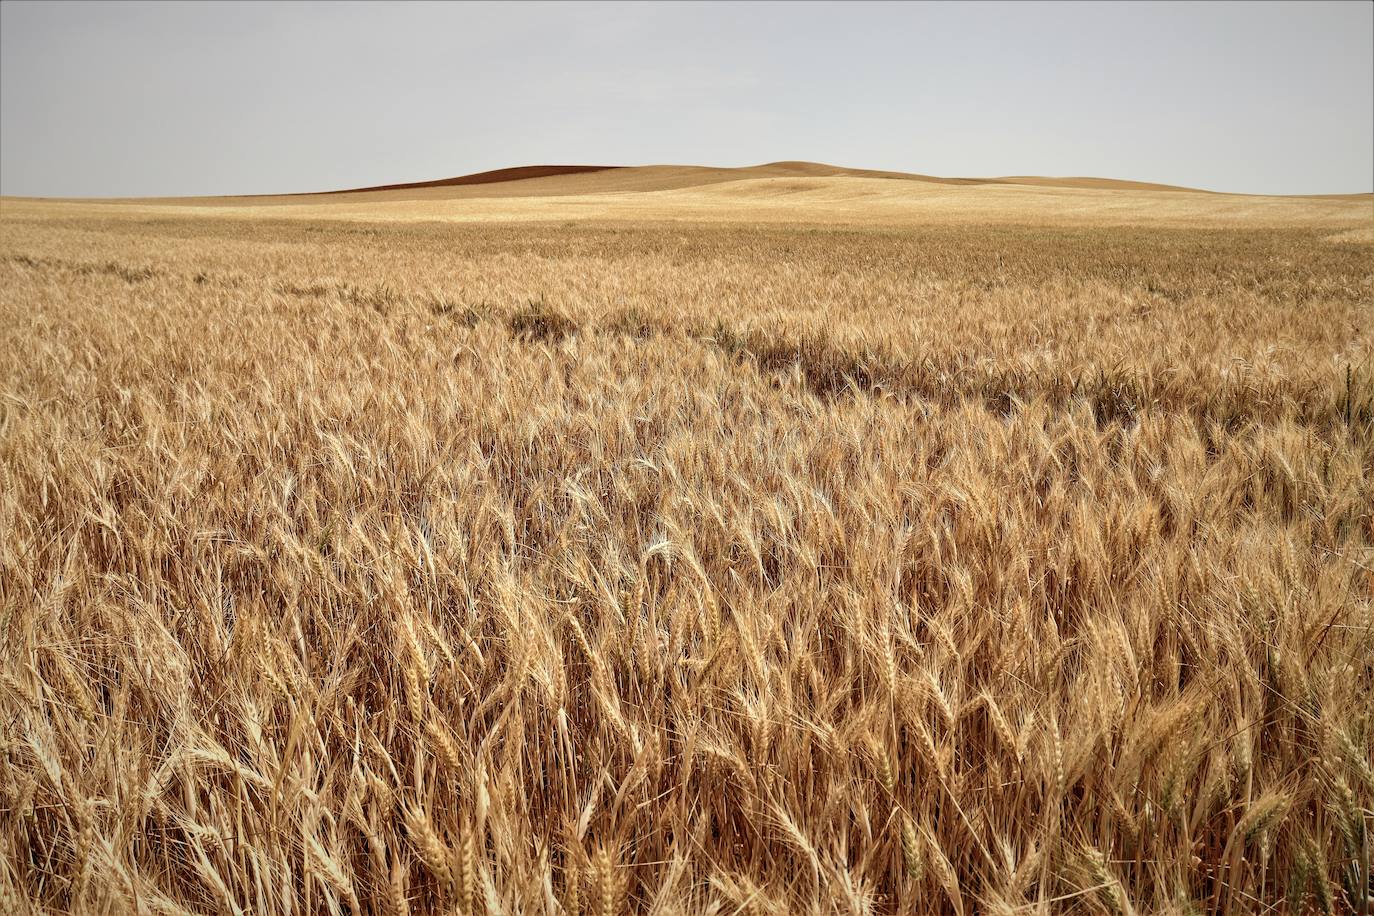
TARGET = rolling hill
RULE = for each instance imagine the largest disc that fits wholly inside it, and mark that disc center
(776, 192)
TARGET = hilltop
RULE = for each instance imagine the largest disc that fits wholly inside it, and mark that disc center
(775, 192)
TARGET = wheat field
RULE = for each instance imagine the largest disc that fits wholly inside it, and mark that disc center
(537, 559)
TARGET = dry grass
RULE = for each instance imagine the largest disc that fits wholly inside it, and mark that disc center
(396, 568)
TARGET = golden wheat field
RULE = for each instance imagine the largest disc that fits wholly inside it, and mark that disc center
(797, 543)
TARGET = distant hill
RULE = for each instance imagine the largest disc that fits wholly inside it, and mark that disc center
(771, 193)
(568, 180)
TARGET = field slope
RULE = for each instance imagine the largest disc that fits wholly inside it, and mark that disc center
(779, 192)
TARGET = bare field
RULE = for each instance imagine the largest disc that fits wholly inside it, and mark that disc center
(841, 548)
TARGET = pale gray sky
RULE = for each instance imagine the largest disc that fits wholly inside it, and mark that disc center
(199, 98)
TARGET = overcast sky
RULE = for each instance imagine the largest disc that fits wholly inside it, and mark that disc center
(199, 98)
